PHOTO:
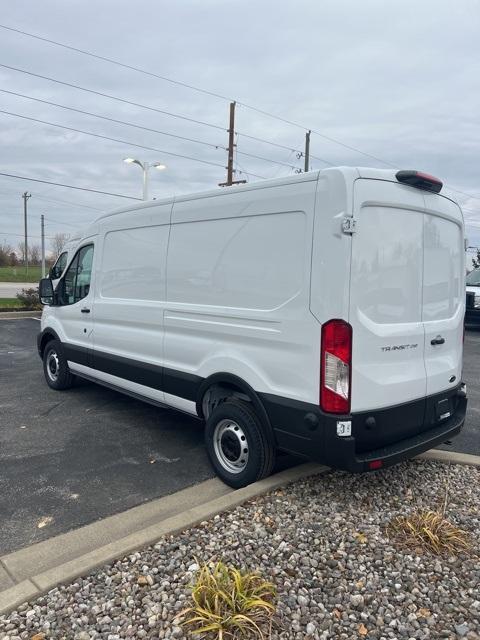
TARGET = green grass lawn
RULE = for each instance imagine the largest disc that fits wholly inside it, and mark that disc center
(10, 304)
(19, 274)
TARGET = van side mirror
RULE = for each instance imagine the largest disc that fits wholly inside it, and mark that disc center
(45, 291)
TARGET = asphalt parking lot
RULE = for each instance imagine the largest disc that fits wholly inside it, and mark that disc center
(70, 458)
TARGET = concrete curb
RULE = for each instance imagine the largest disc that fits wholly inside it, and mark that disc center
(12, 315)
(22, 566)
(450, 456)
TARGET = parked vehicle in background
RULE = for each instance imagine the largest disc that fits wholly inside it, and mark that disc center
(320, 314)
(472, 311)
(61, 262)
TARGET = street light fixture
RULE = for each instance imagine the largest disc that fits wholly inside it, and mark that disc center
(145, 166)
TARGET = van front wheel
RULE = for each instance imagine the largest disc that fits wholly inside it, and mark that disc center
(237, 445)
(55, 367)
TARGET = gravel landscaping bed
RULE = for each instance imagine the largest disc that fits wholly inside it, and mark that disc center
(322, 541)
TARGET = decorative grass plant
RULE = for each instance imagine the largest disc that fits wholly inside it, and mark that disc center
(429, 530)
(230, 604)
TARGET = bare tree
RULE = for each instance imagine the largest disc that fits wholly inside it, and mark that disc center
(34, 254)
(5, 251)
(58, 242)
(21, 251)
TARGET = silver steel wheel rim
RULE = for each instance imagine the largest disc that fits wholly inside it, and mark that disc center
(53, 366)
(231, 446)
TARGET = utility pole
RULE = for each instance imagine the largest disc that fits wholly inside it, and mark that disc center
(25, 197)
(307, 150)
(42, 224)
(231, 148)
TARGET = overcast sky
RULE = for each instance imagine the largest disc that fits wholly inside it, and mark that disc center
(397, 80)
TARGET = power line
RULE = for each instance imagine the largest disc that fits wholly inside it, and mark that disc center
(251, 155)
(116, 62)
(318, 133)
(194, 88)
(70, 224)
(122, 122)
(20, 235)
(67, 186)
(137, 126)
(102, 137)
(280, 146)
(136, 104)
(72, 204)
(118, 99)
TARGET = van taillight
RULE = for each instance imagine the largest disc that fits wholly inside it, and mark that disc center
(335, 367)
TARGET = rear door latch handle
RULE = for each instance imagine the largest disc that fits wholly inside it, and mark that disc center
(87, 310)
(437, 340)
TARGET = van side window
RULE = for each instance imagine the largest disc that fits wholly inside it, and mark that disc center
(59, 266)
(76, 282)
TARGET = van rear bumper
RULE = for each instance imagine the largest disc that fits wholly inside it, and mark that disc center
(379, 438)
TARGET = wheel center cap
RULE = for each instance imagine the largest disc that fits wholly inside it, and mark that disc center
(231, 446)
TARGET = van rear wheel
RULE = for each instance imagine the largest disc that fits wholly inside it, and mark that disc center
(55, 367)
(237, 444)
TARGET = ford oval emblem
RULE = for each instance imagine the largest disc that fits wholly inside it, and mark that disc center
(453, 378)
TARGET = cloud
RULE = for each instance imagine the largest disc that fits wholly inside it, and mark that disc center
(397, 81)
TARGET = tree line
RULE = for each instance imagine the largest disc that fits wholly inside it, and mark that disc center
(15, 256)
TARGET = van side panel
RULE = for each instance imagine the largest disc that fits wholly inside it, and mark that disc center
(130, 297)
(238, 291)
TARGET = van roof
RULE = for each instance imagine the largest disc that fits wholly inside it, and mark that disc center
(310, 176)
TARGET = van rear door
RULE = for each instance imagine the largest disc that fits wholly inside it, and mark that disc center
(406, 296)
(443, 292)
(388, 347)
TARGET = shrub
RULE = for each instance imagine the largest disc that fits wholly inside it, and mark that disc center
(228, 603)
(29, 298)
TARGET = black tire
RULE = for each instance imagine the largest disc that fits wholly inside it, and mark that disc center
(55, 367)
(238, 444)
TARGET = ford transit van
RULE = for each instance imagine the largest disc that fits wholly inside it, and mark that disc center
(320, 314)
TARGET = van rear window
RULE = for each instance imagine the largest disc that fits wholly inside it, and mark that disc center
(387, 264)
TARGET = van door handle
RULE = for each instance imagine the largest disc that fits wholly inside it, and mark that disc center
(85, 310)
(437, 340)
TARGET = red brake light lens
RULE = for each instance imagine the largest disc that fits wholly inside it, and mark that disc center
(335, 367)
(420, 180)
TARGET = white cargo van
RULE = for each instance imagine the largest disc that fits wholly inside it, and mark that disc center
(320, 314)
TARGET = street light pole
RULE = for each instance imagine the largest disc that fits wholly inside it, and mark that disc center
(42, 224)
(25, 197)
(145, 166)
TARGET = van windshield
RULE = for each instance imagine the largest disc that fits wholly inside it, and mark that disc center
(473, 278)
